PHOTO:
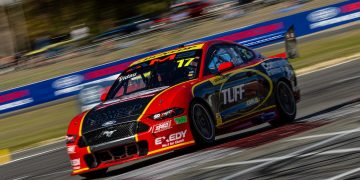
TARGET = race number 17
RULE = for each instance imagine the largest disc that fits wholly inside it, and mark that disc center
(184, 62)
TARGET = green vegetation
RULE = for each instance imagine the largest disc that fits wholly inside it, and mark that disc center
(21, 130)
(54, 17)
(25, 129)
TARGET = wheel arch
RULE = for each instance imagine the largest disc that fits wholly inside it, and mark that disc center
(283, 79)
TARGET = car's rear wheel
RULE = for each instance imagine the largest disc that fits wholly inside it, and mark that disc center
(95, 174)
(202, 124)
(285, 103)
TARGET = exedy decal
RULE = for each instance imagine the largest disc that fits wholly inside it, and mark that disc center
(172, 139)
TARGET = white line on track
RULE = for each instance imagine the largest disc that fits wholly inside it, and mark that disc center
(296, 153)
(340, 176)
(21, 178)
(336, 151)
(179, 164)
(328, 67)
(346, 79)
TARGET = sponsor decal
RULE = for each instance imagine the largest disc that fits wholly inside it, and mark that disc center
(218, 80)
(70, 149)
(67, 81)
(260, 41)
(323, 14)
(68, 90)
(14, 95)
(161, 127)
(75, 162)
(122, 78)
(254, 32)
(180, 120)
(76, 167)
(106, 71)
(167, 53)
(252, 101)
(164, 114)
(233, 94)
(109, 123)
(350, 7)
(172, 139)
(16, 103)
(335, 20)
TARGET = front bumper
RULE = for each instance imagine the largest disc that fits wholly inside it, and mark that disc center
(138, 146)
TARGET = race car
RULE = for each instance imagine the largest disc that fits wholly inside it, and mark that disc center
(180, 98)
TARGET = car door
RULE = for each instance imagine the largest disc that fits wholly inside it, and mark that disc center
(241, 90)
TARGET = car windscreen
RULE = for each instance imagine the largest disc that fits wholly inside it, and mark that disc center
(164, 71)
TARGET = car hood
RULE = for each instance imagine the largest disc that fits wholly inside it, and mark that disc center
(124, 109)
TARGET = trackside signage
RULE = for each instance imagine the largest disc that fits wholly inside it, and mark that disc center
(254, 36)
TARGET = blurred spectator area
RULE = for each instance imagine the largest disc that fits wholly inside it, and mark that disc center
(36, 30)
(6, 45)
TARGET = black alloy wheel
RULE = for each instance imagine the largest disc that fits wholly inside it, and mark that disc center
(285, 103)
(202, 124)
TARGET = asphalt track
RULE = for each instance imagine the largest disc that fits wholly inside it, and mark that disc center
(324, 143)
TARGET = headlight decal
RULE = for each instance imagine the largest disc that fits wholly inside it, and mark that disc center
(169, 113)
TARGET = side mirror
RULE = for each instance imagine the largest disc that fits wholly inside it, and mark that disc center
(225, 66)
(103, 97)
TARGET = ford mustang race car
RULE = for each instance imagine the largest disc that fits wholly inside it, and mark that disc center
(179, 98)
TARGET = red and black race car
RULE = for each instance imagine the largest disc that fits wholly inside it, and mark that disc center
(179, 98)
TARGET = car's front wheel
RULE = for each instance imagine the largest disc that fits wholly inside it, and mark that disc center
(202, 124)
(285, 103)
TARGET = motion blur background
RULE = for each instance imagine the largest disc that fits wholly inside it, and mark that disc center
(41, 39)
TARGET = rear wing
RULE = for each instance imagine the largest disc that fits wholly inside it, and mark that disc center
(291, 51)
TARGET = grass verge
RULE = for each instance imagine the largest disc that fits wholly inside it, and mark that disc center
(21, 130)
(24, 129)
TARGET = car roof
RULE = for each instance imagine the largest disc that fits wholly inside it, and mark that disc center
(182, 48)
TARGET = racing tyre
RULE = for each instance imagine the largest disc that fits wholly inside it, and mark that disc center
(285, 104)
(202, 124)
(94, 174)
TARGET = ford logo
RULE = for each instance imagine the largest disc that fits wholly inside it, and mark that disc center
(109, 123)
(323, 14)
(67, 81)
